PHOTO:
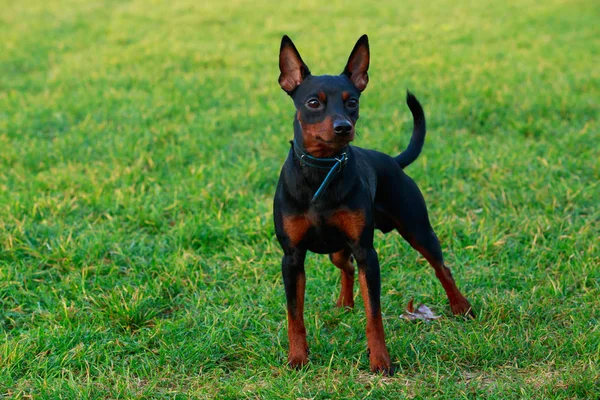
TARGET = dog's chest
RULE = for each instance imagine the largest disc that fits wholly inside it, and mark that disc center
(329, 232)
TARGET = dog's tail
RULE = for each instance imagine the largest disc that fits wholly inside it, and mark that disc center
(418, 136)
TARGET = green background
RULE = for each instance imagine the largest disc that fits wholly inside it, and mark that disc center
(141, 143)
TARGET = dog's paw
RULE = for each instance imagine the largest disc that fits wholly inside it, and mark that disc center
(345, 303)
(381, 364)
(297, 360)
(463, 307)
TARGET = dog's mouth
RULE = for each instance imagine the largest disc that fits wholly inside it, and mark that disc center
(336, 141)
(318, 146)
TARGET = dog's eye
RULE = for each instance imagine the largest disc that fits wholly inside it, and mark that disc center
(313, 103)
(352, 103)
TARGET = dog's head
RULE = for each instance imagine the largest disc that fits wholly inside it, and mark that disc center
(326, 106)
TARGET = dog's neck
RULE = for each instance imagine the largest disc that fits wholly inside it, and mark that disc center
(330, 168)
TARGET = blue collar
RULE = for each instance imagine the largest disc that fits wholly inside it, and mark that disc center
(334, 165)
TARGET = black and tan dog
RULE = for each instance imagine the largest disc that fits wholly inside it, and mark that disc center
(331, 196)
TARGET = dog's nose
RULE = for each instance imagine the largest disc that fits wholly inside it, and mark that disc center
(342, 128)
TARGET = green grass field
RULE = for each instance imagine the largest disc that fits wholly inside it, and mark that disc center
(141, 142)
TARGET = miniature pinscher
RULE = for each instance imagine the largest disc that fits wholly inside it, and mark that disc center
(331, 196)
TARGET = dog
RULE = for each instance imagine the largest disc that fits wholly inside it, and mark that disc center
(331, 196)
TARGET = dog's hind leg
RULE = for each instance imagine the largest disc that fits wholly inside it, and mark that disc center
(412, 221)
(343, 260)
(426, 243)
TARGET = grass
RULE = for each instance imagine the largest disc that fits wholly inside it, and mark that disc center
(141, 143)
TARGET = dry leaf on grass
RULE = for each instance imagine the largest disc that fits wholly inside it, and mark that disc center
(422, 312)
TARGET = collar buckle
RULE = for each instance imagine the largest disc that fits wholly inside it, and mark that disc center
(343, 160)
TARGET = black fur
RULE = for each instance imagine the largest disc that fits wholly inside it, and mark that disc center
(372, 185)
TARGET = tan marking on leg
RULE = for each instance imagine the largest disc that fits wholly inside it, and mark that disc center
(343, 261)
(298, 354)
(378, 354)
(458, 303)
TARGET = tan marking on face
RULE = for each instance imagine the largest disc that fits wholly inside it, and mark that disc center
(295, 227)
(322, 97)
(319, 138)
(351, 223)
(345, 95)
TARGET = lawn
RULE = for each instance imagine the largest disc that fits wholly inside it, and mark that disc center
(141, 142)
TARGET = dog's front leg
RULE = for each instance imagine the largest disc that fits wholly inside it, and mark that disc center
(370, 287)
(294, 280)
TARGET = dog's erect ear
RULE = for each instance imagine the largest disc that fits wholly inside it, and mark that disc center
(293, 70)
(358, 64)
